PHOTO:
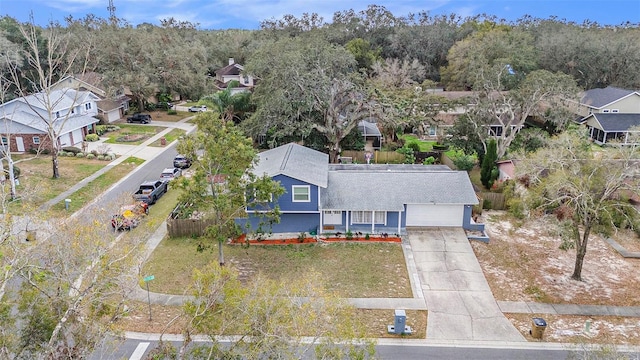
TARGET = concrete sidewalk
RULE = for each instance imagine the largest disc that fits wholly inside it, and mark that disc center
(143, 151)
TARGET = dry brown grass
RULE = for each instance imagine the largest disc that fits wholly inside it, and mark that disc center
(523, 262)
(167, 319)
(349, 269)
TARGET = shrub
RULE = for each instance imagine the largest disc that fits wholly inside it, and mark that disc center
(110, 128)
(429, 161)
(92, 137)
(72, 149)
(302, 236)
(80, 155)
(100, 157)
(414, 146)
(91, 156)
(172, 112)
(349, 235)
(464, 162)
(101, 129)
(106, 157)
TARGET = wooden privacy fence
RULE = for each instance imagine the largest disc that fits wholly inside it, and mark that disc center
(494, 201)
(379, 157)
(185, 227)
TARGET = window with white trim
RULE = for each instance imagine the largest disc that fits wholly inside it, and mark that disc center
(5, 140)
(36, 140)
(615, 110)
(87, 106)
(364, 217)
(605, 110)
(301, 193)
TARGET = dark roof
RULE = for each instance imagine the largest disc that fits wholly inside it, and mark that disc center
(233, 69)
(598, 98)
(617, 122)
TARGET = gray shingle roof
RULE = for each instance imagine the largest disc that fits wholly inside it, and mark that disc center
(389, 187)
(294, 161)
(598, 98)
(617, 122)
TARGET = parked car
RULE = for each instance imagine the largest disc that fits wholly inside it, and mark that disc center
(181, 162)
(139, 117)
(150, 191)
(170, 173)
(198, 108)
(164, 105)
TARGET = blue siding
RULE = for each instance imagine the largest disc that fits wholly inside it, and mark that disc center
(466, 221)
(288, 223)
(286, 200)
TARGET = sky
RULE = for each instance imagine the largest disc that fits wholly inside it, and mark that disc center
(247, 14)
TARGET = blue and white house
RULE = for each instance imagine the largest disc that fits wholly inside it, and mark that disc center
(28, 121)
(369, 198)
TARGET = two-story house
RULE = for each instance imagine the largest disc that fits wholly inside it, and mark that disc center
(111, 106)
(369, 198)
(26, 122)
(233, 71)
(611, 114)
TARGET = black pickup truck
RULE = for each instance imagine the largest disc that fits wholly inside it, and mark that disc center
(150, 191)
(140, 118)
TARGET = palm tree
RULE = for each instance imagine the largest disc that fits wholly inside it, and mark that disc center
(230, 106)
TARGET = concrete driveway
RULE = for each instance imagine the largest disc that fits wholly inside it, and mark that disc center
(460, 303)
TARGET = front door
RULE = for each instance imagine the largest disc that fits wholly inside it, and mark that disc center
(20, 144)
(333, 217)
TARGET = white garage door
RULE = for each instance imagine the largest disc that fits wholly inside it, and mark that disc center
(65, 140)
(77, 136)
(434, 215)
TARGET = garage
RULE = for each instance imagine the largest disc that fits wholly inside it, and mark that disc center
(77, 136)
(65, 140)
(434, 215)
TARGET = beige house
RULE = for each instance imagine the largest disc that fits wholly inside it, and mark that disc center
(612, 115)
(609, 100)
(233, 71)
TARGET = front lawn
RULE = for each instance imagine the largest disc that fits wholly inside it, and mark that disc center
(352, 270)
(174, 134)
(131, 134)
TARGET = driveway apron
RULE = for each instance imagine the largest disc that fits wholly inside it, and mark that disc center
(459, 300)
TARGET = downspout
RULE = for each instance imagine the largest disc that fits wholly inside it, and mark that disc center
(373, 222)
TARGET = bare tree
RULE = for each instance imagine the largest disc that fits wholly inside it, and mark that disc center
(587, 189)
(49, 59)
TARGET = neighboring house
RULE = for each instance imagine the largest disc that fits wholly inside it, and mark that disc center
(110, 108)
(358, 197)
(371, 134)
(611, 114)
(506, 170)
(610, 100)
(606, 128)
(23, 128)
(233, 71)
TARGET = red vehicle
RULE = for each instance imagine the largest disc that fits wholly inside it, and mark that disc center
(129, 216)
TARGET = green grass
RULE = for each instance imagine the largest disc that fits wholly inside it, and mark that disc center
(86, 194)
(425, 145)
(352, 270)
(115, 137)
(174, 134)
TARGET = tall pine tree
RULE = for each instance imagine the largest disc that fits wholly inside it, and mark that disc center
(487, 173)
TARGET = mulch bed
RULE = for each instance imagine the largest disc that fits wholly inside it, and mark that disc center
(308, 240)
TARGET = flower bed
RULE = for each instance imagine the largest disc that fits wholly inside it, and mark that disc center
(242, 239)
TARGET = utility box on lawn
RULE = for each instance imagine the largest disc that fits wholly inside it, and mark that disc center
(399, 324)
